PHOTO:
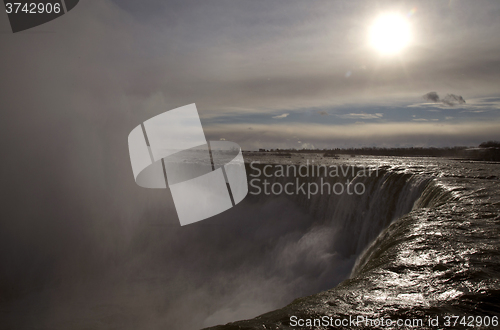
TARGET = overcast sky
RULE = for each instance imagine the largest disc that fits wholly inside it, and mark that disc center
(269, 73)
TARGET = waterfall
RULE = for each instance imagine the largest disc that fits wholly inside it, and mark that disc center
(357, 219)
(343, 233)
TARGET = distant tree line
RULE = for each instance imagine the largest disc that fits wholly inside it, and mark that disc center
(489, 151)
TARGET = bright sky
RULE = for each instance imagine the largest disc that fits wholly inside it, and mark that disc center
(272, 73)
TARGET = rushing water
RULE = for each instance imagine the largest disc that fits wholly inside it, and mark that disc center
(440, 259)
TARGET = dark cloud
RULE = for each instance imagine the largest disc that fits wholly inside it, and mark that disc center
(432, 96)
(450, 99)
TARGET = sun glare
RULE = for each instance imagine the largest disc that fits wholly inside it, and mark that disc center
(390, 34)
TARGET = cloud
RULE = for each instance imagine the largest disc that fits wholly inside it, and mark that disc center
(431, 96)
(449, 100)
(474, 105)
(281, 116)
(361, 115)
(452, 100)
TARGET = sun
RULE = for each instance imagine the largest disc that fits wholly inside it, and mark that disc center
(390, 34)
